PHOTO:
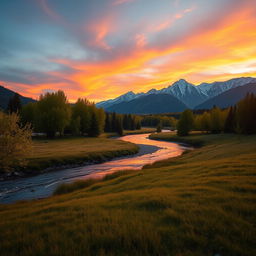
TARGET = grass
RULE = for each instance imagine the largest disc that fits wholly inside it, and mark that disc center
(141, 131)
(193, 140)
(61, 152)
(129, 132)
(201, 203)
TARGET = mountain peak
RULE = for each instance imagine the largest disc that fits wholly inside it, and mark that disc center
(183, 81)
(152, 91)
(186, 92)
(127, 96)
(130, 93)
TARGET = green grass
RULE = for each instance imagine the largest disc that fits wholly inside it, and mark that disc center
(201, 203)
(61, 152)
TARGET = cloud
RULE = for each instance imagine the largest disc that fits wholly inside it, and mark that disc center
(111, 48)
(119, 2)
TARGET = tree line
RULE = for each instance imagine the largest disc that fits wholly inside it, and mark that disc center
(159, 121)
(240, 118)
(118, 122)
(52, 114)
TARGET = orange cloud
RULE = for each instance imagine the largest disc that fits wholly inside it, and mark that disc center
(170, 21)
(223, 51)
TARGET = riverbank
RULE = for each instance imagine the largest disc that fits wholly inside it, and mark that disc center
(49, 155)
(43, 185)
(201, 203)
(70, 152)
(194, 140)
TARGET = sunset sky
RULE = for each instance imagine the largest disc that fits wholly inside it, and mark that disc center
(100, 49)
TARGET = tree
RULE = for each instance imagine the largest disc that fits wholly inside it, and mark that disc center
(173, 123)
(185, 123)
(159, 127)
(230, 122)
(81, 110)
(75, 126)
(14, 104)
(246, 114)
(108, 123)
(114, 122)
(119, 125)
(94, 129)
(28, 114)
(15, 142)
(53, 113)
(205, 122)
(216, 122)
(138, 122)
(102, 118)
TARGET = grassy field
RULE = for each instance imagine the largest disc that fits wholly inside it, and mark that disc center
(59, 152)
(130, 132)
(201, 203)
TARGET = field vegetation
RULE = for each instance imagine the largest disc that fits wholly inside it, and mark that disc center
(201, 203)
(72, 150)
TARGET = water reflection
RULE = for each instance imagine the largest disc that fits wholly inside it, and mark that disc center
(43, 185)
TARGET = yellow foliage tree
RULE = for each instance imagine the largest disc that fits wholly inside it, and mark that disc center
(15, 142)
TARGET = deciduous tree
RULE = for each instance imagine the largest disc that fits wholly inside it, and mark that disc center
(15, 142)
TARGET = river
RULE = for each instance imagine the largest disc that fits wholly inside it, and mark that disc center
(43, 185)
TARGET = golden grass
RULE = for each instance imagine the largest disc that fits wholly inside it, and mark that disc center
(201, 203)
(61, 152)
(129, 132)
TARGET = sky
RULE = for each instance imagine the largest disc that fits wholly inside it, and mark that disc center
(100, 49)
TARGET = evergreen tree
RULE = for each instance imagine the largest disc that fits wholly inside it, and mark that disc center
(230, 123)
(119, 125)
(133, 122)
(108, 123)
(114, 117)
(102, 118)
(94, 129)
(246, 114)
(14, 104)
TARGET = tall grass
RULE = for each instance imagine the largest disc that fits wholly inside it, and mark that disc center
(75, 151)
(201, 203)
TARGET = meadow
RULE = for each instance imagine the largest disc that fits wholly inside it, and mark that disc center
(64, 151)
(201, 203)
(51, 153)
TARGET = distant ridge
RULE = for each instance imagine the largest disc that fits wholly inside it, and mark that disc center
(149, 104)
(190, 95)
(6, 94)
(228, 98)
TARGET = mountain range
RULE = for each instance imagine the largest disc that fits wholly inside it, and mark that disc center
(175, 98)
(229, 97)
(184, 95)
(152, 103)
(6, 94)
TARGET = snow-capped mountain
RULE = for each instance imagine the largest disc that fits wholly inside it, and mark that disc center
(216, 88)
(123, 98)
(191, 95)
(186, 92)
